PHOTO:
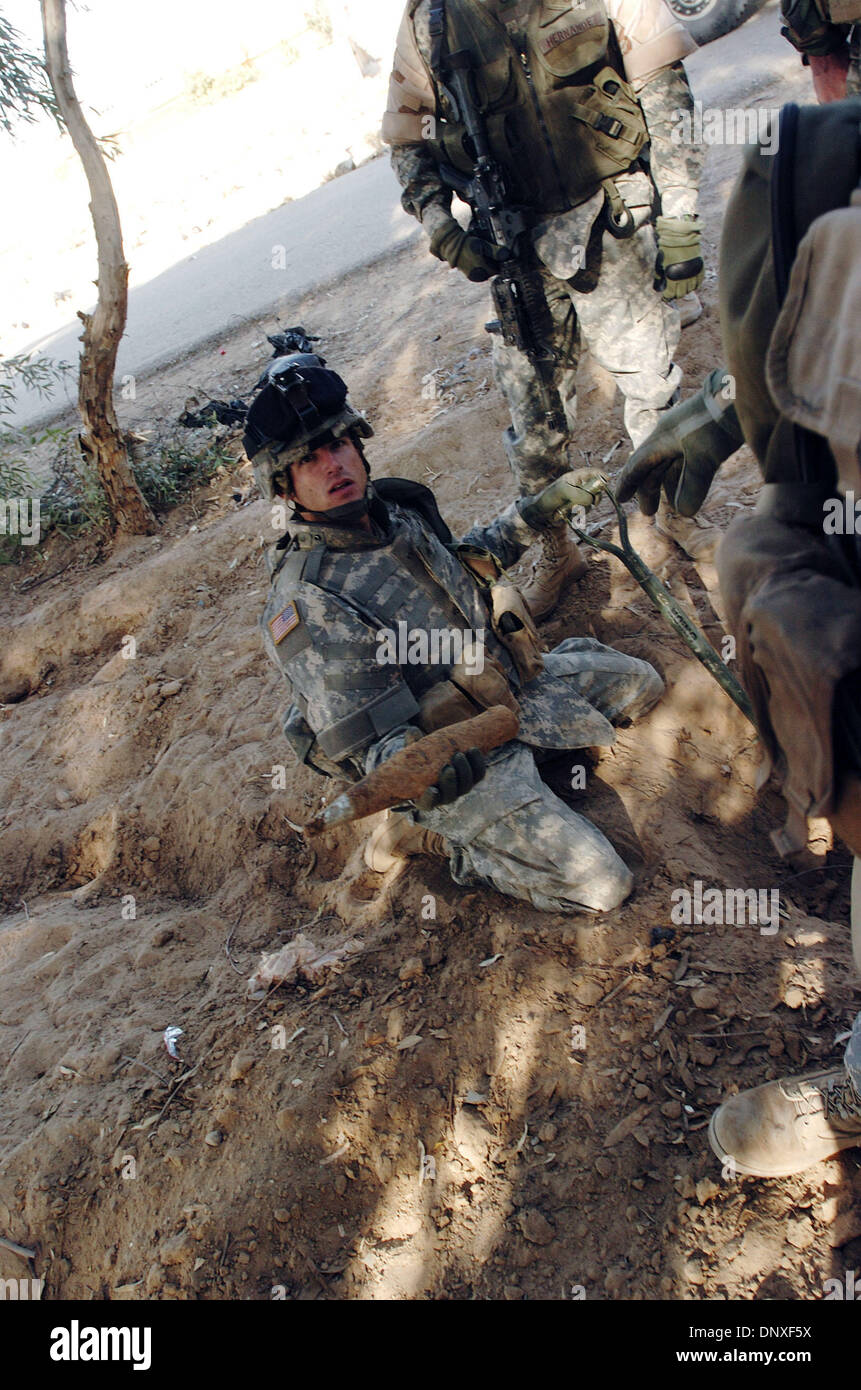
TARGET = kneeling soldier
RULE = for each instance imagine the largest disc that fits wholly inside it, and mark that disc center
(386, 628)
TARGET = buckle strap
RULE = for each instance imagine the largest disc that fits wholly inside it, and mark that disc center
(436, 27)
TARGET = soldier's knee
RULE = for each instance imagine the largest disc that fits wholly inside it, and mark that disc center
(653, 688)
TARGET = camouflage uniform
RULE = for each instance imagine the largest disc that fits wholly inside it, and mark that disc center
(334, 588)
(600, 289)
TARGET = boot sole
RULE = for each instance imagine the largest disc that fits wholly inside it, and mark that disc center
(787, 1171)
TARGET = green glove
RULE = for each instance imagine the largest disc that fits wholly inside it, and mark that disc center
(579, 488)
(808, 29)
(456, 779)
(683, 452)
(679, 267)
(476, 259)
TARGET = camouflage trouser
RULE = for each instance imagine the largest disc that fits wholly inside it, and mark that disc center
(611, 305)
(512, 833)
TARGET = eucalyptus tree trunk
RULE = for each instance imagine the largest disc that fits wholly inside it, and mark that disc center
(104, 328)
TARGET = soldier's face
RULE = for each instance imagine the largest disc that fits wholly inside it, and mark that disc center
(329, 477)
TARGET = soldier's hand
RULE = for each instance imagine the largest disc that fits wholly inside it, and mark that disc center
(679, 267)
(683, 452)
(455, 779)
(581, 487)
(475, 258)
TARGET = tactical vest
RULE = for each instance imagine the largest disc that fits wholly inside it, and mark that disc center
(560, 117)
(408, 578)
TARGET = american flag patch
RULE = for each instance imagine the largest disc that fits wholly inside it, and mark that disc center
(285, 622)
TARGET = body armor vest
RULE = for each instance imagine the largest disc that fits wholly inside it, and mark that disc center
(560, 117)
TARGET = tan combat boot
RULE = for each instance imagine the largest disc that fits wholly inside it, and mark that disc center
(560, 563)
(786, 1126)
(698, 539)
(396, 838)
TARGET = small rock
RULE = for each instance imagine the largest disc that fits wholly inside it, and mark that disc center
(547, 1133)
(641, 1092)
(285, 1120)
(671, 1109)
(151, 847)
(340, 1184)
(161, 937)
(846, 1227)
(535, 1227)
(706, 998)
(705, 1190)
(693, 1272)
(213, 1138)
(793, 998)
(472, 1137)
(615, 1279)
(603, 1166)
(587, 992)
(176, 1250)
(411, 969)
(241, 1065)
(169, 688)
(800, 1234)
(281, 1215)
(395, 1025)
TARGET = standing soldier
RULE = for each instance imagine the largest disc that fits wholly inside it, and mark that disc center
(790, 568)
(580, 107)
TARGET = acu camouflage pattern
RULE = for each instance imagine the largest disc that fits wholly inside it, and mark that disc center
(350, 713)
(611, 307)
(599, 289)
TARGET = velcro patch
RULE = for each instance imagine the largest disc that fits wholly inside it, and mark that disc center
(285, 622)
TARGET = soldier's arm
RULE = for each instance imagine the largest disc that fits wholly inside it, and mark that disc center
(677, 160)
(408, 122)
(351, 702)
(653, 43)
(506, 537)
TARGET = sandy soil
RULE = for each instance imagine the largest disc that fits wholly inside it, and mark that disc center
(146, 862)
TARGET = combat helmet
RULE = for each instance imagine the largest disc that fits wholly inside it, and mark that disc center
(301, 404)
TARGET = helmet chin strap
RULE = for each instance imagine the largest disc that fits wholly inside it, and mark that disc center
(345, 514)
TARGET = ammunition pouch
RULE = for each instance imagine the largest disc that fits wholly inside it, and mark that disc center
(464, 694)
(560, 130)
(510, 618)
(793, 597)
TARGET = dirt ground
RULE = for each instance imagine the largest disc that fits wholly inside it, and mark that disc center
(488, 1102)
